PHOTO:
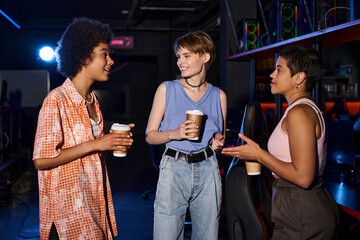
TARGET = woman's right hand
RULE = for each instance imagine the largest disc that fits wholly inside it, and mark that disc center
(104, 143)
(112, 140)
(183, 130)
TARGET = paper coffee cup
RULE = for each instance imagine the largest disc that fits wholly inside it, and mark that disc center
(120, 128)
(197, 116)
(253, 168)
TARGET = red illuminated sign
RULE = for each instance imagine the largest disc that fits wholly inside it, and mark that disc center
(123, 42)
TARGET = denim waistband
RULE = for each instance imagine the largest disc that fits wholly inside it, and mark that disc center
(190, 157)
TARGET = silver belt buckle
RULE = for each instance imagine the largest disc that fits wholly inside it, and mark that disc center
(187, 157)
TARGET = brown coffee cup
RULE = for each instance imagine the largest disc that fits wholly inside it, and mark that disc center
(120, 128)
(253, 168)
(197, 116)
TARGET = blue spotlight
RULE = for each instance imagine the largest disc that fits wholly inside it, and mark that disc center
(46, 53)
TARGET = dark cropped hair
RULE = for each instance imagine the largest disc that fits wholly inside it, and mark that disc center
(304, 59)
(77, 44)
(197, 42)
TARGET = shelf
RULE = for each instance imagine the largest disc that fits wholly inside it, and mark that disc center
(342, 33)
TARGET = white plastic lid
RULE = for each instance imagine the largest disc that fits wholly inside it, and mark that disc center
(194, 112)
(120, 127)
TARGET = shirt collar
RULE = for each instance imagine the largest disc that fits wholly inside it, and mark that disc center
(74, 94)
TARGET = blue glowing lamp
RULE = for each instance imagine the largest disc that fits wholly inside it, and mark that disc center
(46, 53)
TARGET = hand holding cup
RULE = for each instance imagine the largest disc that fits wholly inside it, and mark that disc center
(121, 151)
(197, 116)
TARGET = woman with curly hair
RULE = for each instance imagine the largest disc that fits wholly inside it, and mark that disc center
(75, 195)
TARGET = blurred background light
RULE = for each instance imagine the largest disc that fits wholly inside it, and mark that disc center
(46, 53)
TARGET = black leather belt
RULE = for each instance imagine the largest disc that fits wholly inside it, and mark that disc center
(190, 157)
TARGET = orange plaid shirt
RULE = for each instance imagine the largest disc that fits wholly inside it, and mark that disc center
(75, 196)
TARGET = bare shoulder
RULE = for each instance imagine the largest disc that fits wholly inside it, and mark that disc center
(301, 112)
(161, 91)
(223, 99)
(162, 87)
(222, 93)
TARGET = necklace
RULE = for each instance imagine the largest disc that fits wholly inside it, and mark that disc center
(192, 86)
(91, 101)
(86, 101)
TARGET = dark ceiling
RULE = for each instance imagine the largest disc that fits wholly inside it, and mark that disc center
(122, 15)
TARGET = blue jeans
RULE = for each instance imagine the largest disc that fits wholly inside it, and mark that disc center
(182, 185)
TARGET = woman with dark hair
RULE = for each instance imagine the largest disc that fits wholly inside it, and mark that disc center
(75, 195)
(301, 207)
(189, 172)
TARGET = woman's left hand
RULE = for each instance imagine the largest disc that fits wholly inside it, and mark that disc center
(249, 151)
(217, 142)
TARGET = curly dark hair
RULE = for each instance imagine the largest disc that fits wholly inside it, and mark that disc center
(304, 59)
(77, 44)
